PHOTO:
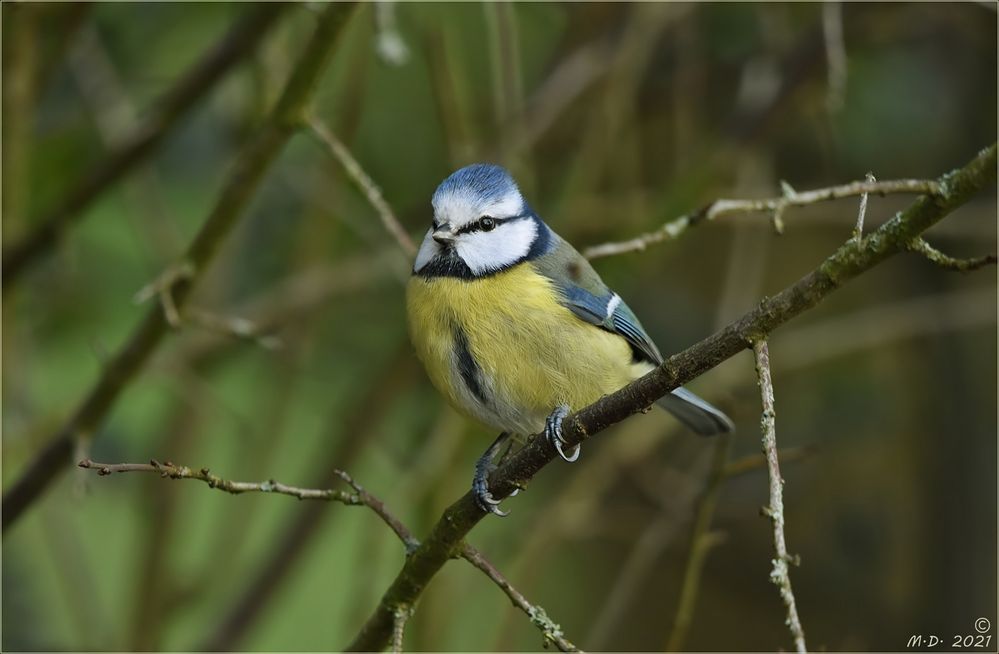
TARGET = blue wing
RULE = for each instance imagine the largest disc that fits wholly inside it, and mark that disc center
(608, 311)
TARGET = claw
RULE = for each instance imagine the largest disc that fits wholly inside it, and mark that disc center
(553, 432)
(480, 483)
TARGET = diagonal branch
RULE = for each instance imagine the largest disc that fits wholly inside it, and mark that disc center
(367, 186)
(173, 106)
(551, 631)
(775, 510)
(247, 172)
(774, 206)
(849, 261)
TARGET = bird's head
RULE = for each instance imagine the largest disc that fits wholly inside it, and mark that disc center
(481, 225)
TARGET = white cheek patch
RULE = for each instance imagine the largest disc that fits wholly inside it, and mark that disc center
(428, 250)
(485, 252)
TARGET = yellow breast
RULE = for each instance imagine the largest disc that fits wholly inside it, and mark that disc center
(531, 354)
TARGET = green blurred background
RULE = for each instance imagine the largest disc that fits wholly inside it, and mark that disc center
(614, 118)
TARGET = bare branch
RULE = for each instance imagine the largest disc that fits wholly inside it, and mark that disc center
(551, 631)
(240, 185)
(376, 505)
(849, 261)
(920, 246)
(172, 471)
(775, 510)
(774, 206)
(174, 105)
(364, 183)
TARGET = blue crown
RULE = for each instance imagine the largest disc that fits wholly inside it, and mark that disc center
(484, 182)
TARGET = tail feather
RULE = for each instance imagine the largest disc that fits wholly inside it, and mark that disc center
(696, 413)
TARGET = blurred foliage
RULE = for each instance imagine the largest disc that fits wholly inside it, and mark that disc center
(614, 117)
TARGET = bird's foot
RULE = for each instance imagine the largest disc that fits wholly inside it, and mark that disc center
(480, 482)
(553, 432)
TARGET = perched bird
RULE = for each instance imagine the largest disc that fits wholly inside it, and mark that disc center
(515, 327)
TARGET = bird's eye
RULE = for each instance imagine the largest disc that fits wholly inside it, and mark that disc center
(487, 223)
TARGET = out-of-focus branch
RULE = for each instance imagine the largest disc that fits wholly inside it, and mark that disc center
(173, 106)
(848, 262)
(701, 540)
(20, 63)
(363, 181)
(775, 206)
(754, 462)
(241, 183)
(775, 510)
(551, 631)
(920, 246)
(832, 33)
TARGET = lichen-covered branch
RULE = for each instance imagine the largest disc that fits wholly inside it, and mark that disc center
(174, 105)
(248, 170)
(774, 206)
(920, 246)
(775, 509)
(848, 262)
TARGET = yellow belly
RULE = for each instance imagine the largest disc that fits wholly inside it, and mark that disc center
(533, 354)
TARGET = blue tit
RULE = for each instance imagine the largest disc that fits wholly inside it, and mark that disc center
(514, 326)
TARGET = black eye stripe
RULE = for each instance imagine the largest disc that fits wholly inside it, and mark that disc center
(477, 225)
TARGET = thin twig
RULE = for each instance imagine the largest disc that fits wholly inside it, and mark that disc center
(551, 630)
(920, 246)
(173, 471)
(774, 206)
(362, 180)
(233, 326)
(239, 187)
(848, 262)
(775, 510)
(174, 105)
(858, 231)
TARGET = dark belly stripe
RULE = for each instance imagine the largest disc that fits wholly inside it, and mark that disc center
(467, 366)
